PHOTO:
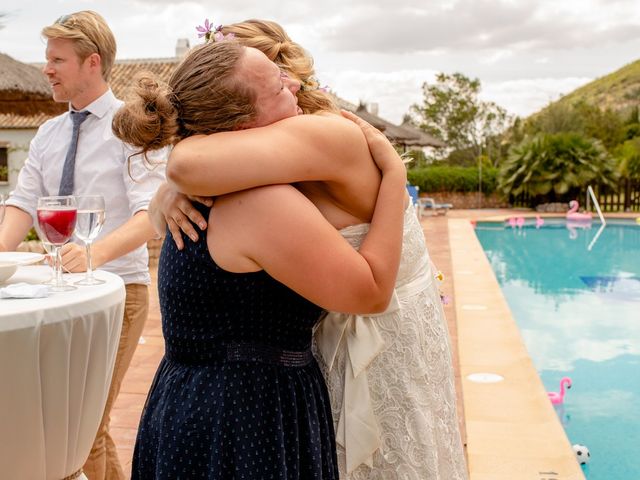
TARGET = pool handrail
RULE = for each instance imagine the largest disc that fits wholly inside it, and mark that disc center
(602, 220)
(595, 204)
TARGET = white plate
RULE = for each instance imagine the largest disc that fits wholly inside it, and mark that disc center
(21, 258)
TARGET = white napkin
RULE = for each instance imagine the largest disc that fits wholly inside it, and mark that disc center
(24, 290)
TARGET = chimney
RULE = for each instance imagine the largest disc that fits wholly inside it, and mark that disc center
(182, 47)
(373, 108)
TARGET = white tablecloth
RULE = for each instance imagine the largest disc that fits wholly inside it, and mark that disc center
(56, 360)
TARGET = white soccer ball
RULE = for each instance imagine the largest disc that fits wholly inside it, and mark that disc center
(582, 454)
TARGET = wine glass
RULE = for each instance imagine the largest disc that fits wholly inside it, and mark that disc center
(88, 226)
(57, 220)
(48, 253)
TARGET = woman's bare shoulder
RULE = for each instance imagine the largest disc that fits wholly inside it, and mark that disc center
(259, 199)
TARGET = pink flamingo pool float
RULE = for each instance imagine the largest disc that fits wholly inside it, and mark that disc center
(516, 222)
(575, 216)
(558, 398)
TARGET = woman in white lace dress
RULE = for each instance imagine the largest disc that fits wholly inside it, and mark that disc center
(390, 375)
(404, 366)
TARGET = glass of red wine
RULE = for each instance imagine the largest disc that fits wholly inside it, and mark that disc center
(57, 221)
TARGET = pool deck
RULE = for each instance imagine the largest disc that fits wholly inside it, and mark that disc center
(512, 429)
(509, 428)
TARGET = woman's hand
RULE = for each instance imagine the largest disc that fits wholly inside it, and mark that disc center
(383, 153)
(176, 211)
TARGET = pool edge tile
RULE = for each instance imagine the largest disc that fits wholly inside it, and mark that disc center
(512, 429)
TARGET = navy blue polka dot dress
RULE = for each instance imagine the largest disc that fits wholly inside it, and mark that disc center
(238, 394)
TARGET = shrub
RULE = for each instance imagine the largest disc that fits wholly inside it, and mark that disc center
(31, 235)
(453, 179)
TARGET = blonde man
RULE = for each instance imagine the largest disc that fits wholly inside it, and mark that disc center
(68, 156)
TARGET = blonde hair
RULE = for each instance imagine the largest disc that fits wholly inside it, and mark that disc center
(203, 96)
(90, 34)
(271, 39)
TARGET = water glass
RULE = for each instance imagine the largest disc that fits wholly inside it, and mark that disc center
(57, 221)
(88, 226)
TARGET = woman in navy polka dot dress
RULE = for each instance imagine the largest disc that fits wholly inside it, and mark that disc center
(238, 394)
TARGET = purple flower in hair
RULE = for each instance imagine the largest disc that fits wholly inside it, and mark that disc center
(205, 30)
(211, 33)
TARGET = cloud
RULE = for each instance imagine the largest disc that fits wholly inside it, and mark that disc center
(471, 24)
(559, 336)
(525, 52)
(394, 92)
(527, 96)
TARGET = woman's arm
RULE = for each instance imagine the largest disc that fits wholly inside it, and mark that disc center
(278, 229)
(297, 149)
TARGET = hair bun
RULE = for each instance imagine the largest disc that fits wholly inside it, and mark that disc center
(148, 120)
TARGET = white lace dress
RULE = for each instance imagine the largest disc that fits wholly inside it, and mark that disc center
(397, 370)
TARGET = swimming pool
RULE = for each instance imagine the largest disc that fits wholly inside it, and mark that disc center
(578, 311)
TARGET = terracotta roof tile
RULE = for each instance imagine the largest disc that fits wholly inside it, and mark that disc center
(125, 70)
(19, 113)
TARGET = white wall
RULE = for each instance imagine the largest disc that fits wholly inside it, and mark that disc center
(18, 149)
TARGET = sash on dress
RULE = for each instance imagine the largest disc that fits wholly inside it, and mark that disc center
(358, 431)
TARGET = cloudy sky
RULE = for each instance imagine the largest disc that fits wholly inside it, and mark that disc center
(525, 52)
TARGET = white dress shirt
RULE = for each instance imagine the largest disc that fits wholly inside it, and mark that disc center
(102, 167)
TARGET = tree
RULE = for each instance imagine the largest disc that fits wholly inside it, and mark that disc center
(628, 156)
(452, 111)
(580, 117)
(556, 117)
(555, 166)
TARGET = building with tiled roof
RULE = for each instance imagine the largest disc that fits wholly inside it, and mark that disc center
(26, 103)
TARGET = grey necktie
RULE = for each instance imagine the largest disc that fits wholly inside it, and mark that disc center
(66, 182)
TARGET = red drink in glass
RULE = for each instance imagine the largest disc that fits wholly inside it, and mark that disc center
(57, 224)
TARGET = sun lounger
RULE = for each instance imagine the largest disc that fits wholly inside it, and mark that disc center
(423, 204)
(428, 203)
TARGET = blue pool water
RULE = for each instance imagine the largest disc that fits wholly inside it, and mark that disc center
(578, 311)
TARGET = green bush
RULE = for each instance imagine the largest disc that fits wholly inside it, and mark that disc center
(453, 179)
(31, 235)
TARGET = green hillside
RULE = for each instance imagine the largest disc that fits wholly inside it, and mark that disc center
(619, 90)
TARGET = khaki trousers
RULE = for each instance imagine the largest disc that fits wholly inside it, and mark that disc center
(103, 462)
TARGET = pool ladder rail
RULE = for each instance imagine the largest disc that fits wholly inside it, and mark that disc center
(592, 196)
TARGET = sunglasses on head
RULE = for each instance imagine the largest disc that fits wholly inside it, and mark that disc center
(69, 22)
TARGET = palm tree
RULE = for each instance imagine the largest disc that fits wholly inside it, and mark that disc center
(555, 166)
